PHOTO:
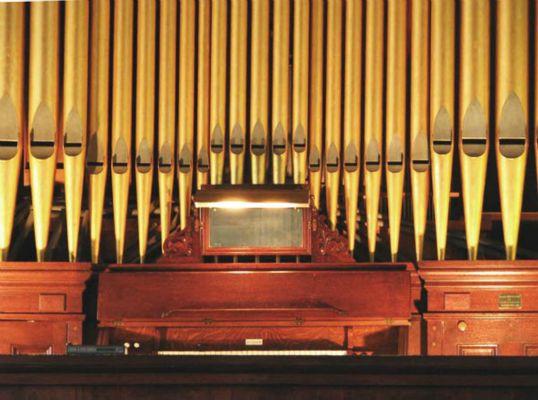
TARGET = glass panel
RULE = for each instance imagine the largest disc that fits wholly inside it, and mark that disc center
(256, 227)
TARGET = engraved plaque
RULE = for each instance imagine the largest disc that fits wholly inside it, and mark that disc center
(509, 301)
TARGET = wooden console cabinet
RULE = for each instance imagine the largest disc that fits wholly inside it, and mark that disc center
(360, 309)
(41, 306)
(481, 308)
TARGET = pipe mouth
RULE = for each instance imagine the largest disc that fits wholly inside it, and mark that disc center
(314, 162)
(217, 140)
(474, 131)
(512, 128)
(299, 139)
(420, 157)
(442, 133)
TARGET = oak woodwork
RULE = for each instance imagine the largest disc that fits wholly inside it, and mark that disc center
(481, 307)
(41, 306)
(219, 306)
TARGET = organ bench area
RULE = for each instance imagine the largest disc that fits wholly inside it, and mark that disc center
(259, 272)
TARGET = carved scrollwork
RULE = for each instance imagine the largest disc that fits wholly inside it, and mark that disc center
(328, 245)
(183, 245)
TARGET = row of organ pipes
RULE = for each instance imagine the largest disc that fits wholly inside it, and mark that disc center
(227, 92)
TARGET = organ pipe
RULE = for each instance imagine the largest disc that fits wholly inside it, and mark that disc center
(333, 90)
(43, 115)
(12, 120)
(186, 107)
(74, 119)
(373, 116)
(259, 88)
(352, 113)
(238, 89)
(419, 120)
(511, 113)
(217, 114)
(122, 92)
(280, 86)
(395, 116)
(473, 114)
(97, 155)
(315, 144)
(203, 93)
(166, 111)
(145, 117)
(442, 113)
(300, 125)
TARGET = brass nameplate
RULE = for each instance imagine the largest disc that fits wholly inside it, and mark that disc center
(509, 301)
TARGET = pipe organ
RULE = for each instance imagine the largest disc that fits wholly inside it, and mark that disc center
(347, 97)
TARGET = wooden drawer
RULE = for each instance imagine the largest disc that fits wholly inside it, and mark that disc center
(481, 334)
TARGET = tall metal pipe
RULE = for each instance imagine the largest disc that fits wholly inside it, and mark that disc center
(12, 119)
(203, 93)
(97, 155)
(145, 117)
(259, 88)
(443, 25)
(301, 60)
(419, 120)
(74, 118)
(352, 113)
(333, 94)
(511, 113)
(187, 22)
(166, 111)
(396, 117)
(280, 86)
(217, 113)
(473, 114)
(373, 115)
(238, 89)
(43, 115)
(122, 98)
(315, 144)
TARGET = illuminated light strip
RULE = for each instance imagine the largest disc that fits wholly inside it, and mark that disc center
(248, 204)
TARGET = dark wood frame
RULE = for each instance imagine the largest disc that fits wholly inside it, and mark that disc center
(304, 250)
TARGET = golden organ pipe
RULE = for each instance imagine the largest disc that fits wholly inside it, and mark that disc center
(474, 114)
(122, 92)
(280, 95)
(203, 94)
(352, 113)
(186, 107)
(301, 29)
(12, 121)
(536, 87)
(395, 116)
(419, 122)
(442, 113)
(373, 116)
(217, 113)
(315, 144)
(75, 105)
(167, 111)
(259, 89)
(97, 156)
(238, 89)
(511, 113)
(43, 115)
(145, 117)
(333, 108)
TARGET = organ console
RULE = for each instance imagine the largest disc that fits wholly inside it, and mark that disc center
(269, 125)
